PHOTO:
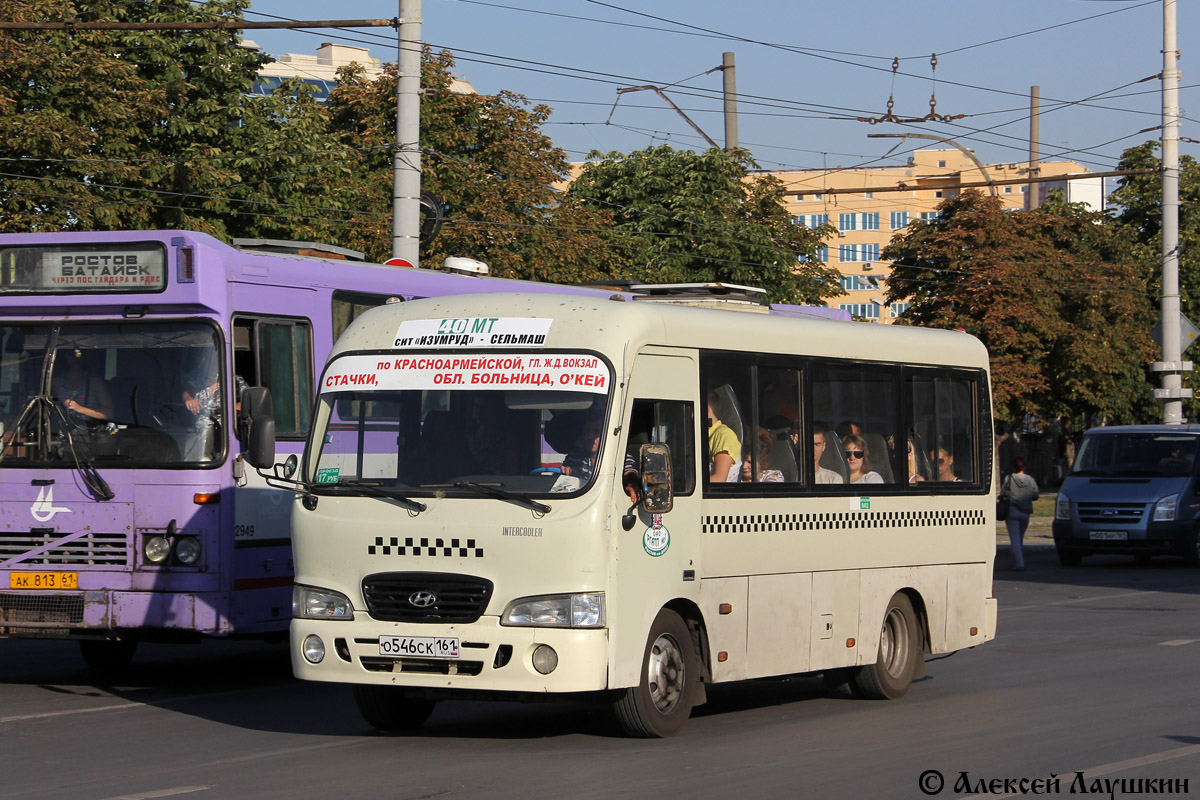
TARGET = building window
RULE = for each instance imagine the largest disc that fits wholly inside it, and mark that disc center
(869, 195)
(941, 165)
(811, 220)
(898, 309)
(1008, 190)
(938, 193)
(854, 222)
(858, 252)
(864, 310)
(899, 220)
(799, 198)
(930, 216)
(818, 196)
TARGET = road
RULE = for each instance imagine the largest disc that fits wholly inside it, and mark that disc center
(1094, 671)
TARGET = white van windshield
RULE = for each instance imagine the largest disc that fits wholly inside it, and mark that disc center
(436, 424)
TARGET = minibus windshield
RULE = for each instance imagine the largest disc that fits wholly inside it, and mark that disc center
(459, 425)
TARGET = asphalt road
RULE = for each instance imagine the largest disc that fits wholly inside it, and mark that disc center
(1093, 672)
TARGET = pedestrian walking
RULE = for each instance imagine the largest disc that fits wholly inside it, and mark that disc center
(1021, 490)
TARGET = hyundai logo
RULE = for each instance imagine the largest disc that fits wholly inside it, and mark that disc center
(422, 599)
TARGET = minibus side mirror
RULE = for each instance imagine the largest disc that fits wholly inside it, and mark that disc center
(657, 497)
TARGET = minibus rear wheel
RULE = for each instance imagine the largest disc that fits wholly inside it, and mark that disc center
(390, 708)
(895, 663)
(662, 701)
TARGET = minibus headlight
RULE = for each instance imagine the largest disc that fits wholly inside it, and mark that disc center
(156, 549)
(1164, 509)
(311, 603)
(313, 649)
(1062, 507)
(584, 610)
(187, 550)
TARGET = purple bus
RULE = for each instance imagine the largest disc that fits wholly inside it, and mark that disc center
(127, 511)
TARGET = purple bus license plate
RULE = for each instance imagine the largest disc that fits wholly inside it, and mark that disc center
(419, 646)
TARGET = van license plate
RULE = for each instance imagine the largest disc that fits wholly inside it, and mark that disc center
(1109, 536)
(419, 646)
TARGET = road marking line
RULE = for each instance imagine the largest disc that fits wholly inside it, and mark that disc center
(162, 793)
(47, 714)
(1178, 642)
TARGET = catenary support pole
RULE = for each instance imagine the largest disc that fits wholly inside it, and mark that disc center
(406, 188)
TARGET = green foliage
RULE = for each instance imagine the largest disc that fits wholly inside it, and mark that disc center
(687, 217)
(119, 129)
(1138, 201)
(1054, 294)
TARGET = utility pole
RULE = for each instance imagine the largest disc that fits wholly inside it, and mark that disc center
(1172, 365)
(730, 91)
(406, 186)
(1035, 98)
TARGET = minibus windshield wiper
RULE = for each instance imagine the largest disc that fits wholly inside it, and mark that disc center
(372, 489)
(494, 490)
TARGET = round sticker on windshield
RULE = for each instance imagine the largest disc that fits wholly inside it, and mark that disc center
(656, 540)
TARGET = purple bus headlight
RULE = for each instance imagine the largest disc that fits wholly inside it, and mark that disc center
(156, 549)
(187, 550)
(309, 602)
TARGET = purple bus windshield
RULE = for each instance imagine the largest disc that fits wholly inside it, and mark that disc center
(127, 394)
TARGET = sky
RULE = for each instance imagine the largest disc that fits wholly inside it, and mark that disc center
(805, 71)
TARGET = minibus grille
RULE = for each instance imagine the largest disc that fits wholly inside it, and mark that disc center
(1114, 513)
(425, 596)
(91, 548)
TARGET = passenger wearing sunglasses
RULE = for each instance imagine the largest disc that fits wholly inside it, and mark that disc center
(855, 449)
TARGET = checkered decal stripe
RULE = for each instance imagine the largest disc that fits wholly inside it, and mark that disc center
(424, 547)
(847, 520)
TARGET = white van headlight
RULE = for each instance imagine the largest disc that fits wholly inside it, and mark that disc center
(1166, 508)
(309, 602)
(1062, 508)
(557, 611)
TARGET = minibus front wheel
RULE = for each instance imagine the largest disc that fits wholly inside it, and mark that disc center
(390, 708)
(662, 701)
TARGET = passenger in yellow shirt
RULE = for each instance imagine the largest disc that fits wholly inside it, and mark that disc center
(724, 447)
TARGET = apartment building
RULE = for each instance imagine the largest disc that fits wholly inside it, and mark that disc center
(320, 70)
(867, 218)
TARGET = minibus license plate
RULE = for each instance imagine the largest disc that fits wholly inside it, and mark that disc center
(1110, 536)
(43, 580)
(419, 646)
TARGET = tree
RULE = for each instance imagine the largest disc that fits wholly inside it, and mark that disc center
(1138, 200)
(119, 129)
(133, 129)
(485, 158)
(690, 217)
(1054, 295)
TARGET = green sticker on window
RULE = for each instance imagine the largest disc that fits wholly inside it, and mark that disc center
(327, 475)
(864, 503)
